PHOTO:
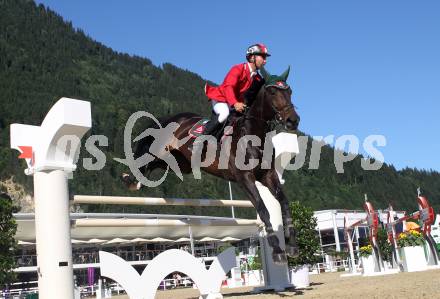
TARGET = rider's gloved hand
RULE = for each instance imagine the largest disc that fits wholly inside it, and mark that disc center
(239, 106)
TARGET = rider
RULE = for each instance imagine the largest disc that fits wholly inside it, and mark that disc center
(239, 86)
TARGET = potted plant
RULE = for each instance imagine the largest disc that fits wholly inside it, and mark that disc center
(308, 244)
(367, 259)
(411, 251)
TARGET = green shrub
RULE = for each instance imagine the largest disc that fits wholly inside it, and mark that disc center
(306, 235)
(385, 247)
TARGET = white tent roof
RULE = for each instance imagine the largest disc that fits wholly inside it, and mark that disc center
(183, 239)
(160, 240)
(26, 228)
(79, 241)
(230, 239)
(25, 243)
(208, 239)
(139, 240)
(96, 241)
(116, 241)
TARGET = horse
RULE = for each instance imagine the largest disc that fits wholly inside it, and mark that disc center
(271, 104)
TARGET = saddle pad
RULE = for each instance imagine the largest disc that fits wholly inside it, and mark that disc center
(198, 128)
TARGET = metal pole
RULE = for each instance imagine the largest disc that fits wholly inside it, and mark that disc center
(320, 242)
(350, 247)
(230, 197)
(336, 231)
(356, 233)
(191, 240)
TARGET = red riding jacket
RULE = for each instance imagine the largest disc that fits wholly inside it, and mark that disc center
(234, 86)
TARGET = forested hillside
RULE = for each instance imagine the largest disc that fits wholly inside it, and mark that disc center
(43, 58)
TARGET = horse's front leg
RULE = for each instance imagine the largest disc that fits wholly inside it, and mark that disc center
(272, 182)
(247, 181)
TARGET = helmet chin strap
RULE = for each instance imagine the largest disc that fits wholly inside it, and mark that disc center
(254, 63)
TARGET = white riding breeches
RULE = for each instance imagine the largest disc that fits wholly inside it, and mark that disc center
(221, 109)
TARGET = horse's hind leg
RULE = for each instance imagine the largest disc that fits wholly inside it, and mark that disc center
(248, 184)
(272, 182)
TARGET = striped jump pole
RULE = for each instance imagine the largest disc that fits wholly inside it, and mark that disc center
(158, 201)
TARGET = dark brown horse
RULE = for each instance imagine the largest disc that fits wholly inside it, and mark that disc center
(272, 104)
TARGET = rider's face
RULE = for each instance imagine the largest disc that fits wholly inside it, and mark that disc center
(260, 60)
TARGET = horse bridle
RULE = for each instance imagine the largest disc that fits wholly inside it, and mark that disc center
(278, 118)
(278, 114)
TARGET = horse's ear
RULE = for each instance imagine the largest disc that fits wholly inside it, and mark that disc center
(285, 74)
(265, 74)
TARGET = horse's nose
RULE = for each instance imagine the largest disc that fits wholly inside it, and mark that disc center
(292, 124)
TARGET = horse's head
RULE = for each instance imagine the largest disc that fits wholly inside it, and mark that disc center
(277, 100)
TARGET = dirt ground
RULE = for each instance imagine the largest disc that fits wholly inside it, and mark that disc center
(413, 285)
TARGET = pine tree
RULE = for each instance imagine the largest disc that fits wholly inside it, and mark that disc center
(8, 245)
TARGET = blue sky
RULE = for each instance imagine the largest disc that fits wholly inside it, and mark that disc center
(362, 68)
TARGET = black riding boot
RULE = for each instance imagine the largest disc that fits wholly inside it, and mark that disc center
(212, 126)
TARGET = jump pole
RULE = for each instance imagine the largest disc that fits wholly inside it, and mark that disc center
(159, 201)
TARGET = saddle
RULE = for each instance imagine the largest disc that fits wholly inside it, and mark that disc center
(226, 130)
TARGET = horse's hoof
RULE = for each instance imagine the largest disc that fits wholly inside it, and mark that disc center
(279, 258)
(292, 251)
(135, 187)
(130, 182)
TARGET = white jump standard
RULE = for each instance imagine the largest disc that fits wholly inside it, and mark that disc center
(53, 147)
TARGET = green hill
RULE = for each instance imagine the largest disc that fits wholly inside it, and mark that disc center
(43, 58)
